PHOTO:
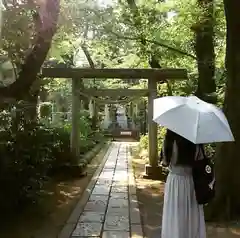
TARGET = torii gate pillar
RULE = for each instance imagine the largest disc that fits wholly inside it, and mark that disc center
(152, 170)
(75, 134)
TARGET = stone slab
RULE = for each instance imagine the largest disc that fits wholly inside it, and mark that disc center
(116, 222)
(120, 174)
(96, 203)
(106, 175)
(89, 216)
(120, 179)
(101, 189)
(120, 183)
(87, 230)
(118, 203)
(119, 189)
(118, 195)
(116, 234)
(107, 182)
(120, 169)
(96, 197)
(118, 211)
(136, 231)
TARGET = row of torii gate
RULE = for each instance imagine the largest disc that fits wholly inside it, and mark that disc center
(153, 75)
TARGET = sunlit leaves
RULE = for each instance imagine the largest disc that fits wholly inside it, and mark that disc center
(115, 35)
(17, 30)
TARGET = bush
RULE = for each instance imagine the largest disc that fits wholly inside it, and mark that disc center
(45, 110)
(144, 139)
(88, 137)
(144, 142)
(29, 154)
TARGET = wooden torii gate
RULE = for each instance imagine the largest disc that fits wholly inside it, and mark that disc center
(153, 76)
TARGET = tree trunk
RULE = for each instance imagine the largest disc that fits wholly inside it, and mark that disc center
(204, 46)
(227, 202)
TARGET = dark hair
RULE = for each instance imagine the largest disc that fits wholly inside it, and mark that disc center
(186, 149)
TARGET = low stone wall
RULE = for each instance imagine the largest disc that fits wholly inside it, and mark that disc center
(85, 160)
(77, 171)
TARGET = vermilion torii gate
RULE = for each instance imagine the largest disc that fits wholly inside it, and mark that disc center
(153, 76)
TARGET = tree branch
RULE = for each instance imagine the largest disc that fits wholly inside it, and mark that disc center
(154, 42)
(48, 16)
(88, 56)
(85, 50)
(179, 51)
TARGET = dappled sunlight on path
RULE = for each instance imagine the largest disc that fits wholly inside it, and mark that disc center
(109, 207)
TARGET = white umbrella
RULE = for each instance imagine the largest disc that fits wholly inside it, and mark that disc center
(192, 118)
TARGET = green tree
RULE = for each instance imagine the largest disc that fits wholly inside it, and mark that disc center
(204, 47)
(227, 202)
(44, 15)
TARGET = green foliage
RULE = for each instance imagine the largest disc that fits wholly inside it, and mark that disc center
(45, 110)
(210, 150)
(31, 153)
(115, 37)
(144, 139)
(27, 155)
(118, 38)
(17, 30)
(144, 142)
(85, 131)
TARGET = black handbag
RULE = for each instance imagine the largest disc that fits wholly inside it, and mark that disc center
(203, 177)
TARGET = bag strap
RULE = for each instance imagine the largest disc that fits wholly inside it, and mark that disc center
(199, 152)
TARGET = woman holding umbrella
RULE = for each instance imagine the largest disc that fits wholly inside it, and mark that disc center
(191, 122)
(183, 217)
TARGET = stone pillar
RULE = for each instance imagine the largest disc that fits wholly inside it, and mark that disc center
(56, 108)
(81, 105)
(125, 117)
(91, 108)
(137, 116)
(69, 112)
(69, 116)
(136, 109)
(93, 114)
(145, 119)
(122, 119)
(152, 170)
(106, 120)
(56, 113)
(75, 134)
(131, 115)
(54, 118)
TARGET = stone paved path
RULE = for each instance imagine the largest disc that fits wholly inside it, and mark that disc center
(111, 208)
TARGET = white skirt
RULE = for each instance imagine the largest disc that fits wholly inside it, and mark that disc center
(182, 217)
